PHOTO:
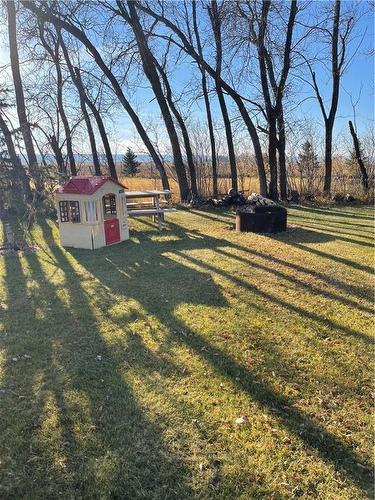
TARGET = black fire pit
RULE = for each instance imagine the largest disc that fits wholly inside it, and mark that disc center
(261, 218)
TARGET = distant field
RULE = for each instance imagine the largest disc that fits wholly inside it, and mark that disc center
(248, 184)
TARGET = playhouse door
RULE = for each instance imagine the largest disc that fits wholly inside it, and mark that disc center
(111, 231)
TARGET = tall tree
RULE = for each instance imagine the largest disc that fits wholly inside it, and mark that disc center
(184, 44)
(206, 100)
(50, 13)
(131, 16)
(82, 101)
(183, 128)
(272, 89)
(54, 52)
(338, 39)
(20, 98)
(216, 22)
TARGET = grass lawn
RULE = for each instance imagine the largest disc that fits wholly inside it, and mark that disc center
(194, 363)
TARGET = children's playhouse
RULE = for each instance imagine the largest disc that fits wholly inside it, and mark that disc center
(91, 212)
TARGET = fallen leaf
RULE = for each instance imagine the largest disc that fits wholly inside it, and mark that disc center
(240, 420)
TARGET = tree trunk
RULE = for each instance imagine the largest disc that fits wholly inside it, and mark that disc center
(20, 174)
(58, 156)
(48, 16)
(153, 77)
(181, 123)
(216, 27)
(336, 75)
(101, 128)
(82, 94)
(282, 157)
(189, 49)
(20, 98)
(211, 134)
(64, 119)
(207, 104)
(358, 155)
(328, 158)
(229, 137)
(272, 157)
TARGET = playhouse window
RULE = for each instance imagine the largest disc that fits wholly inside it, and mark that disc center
(69, 211)
(109, 204)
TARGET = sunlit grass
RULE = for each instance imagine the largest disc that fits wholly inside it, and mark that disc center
(124, 371)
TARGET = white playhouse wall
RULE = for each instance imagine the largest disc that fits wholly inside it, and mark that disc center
(89, 233)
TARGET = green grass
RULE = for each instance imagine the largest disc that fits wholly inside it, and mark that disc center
(123, 370)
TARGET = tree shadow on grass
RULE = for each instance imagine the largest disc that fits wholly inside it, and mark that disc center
(342, 225)
(152, 258)
(80, 428)
(300, 237)
(344, 213)
(126, 454)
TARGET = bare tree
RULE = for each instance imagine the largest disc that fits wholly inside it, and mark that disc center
(82, 101)
(54, 52)
(99, 121)
(182, 125)
(206, 99)
(215, 14)
(272, 89)
(358, 156)
(20, 98)
(338, 36)
(47, 13)
(149, 68)
(186, 46)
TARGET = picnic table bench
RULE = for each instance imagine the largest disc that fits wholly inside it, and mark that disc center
(153, 208)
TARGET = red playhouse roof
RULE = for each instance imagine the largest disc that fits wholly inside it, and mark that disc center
(85, 185)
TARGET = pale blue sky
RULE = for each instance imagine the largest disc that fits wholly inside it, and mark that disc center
(358, 80)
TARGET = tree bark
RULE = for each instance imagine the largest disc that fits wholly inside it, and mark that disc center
(48, 16)
(270, 110)
(101, 128)
(185, 134)
(358, 155)
(337, 64)
(153, 77)
(272, 157)
(207, 104)
(82, 101)
(189, 49)
(216, 28)
(328, 158)
(20, 174)
(55, 56)
(20, 98)
(282, 157)
(58, 156)
(334, 101)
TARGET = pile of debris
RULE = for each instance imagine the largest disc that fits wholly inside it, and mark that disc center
(341, 198)
(259, 200)
(233, 198)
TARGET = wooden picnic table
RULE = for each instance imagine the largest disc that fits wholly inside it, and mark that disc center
(155, 210)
